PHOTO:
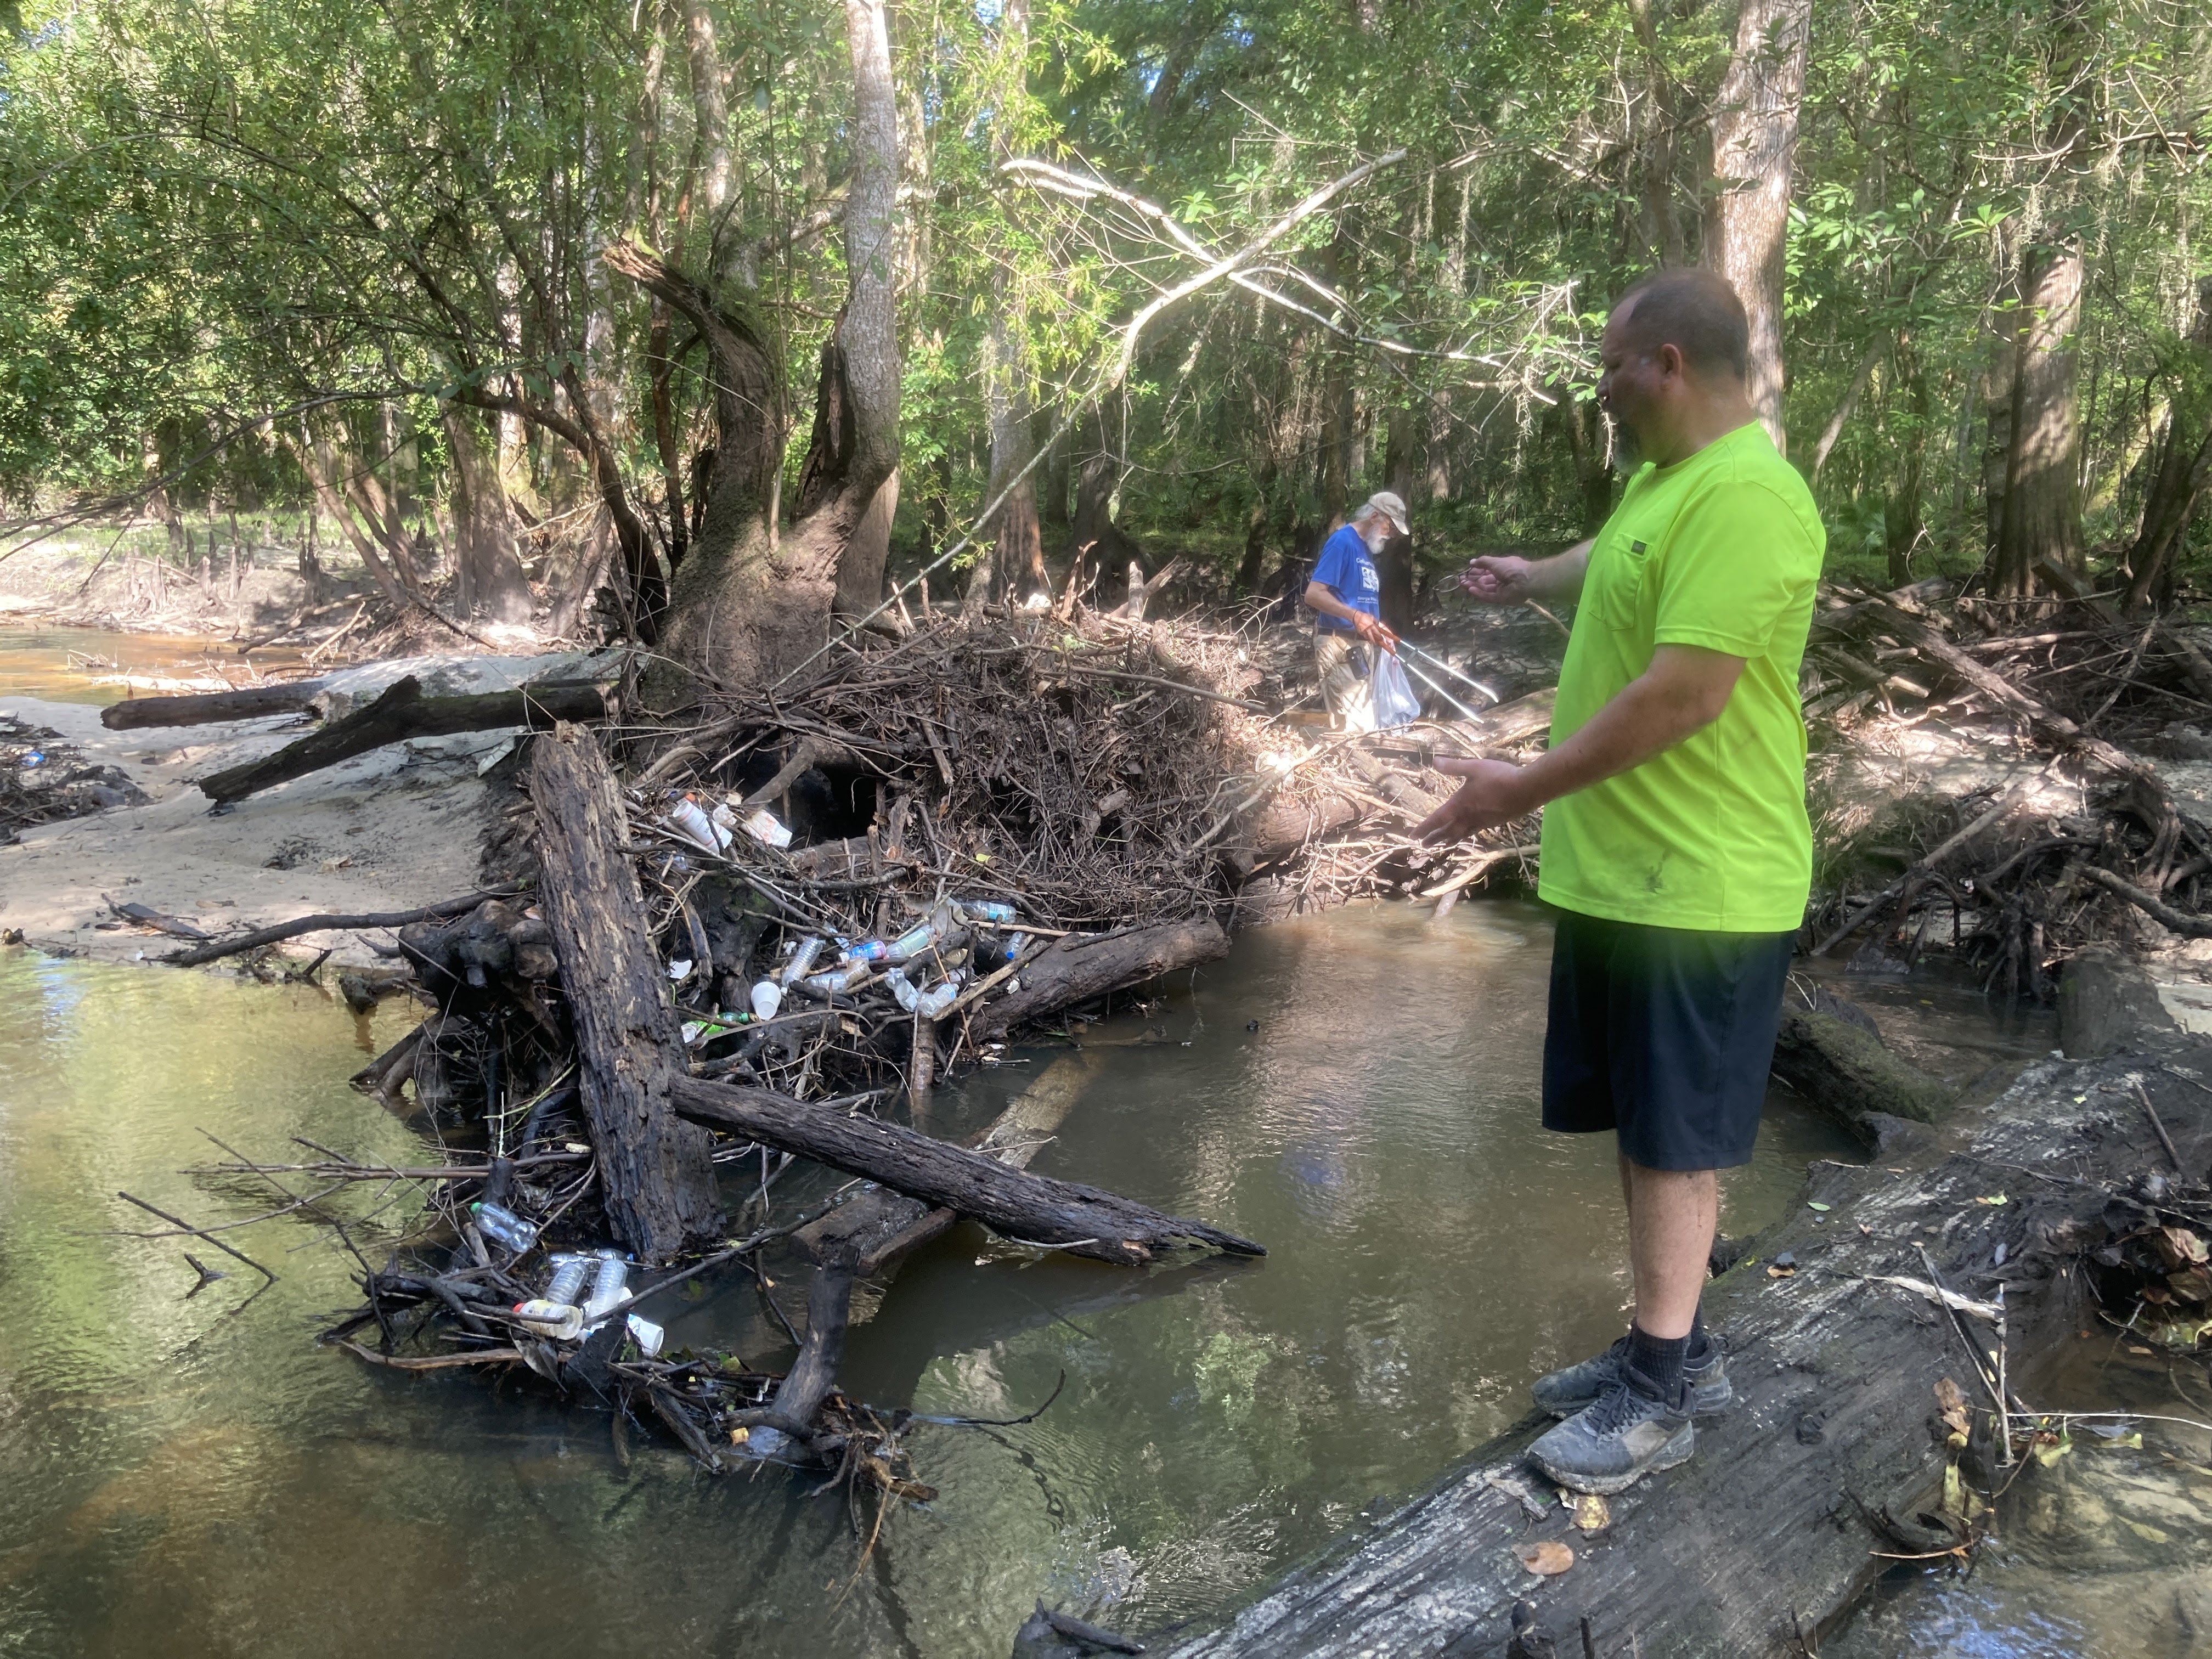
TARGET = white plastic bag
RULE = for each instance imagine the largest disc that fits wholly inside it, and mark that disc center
(1395, 704)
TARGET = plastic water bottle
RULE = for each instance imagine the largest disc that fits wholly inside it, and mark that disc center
(842, 978)
(913, 942)
(903, 988)
(607, 1287)
(567, 1281)
(987, 910)
(868, 949)
(561, 1321)
(767, 998)
(932, 1003)
(502, 1226)
(801, 960)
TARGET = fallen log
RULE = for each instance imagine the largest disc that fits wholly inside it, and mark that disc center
(658, 1172)
(1820, 1474)
(1027, 1208)
(206, 708)
(1846, 1070)
(403, 712)
(1080, 967)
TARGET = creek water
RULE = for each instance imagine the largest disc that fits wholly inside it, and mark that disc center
(1357, 1090)
(87, 664)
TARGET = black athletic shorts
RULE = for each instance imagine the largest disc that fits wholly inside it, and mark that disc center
(1664, 1034)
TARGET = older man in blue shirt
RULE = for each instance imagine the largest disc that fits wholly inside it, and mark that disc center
(1346, 596)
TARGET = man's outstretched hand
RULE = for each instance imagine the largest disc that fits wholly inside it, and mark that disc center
(1500, 579)
(1491, 795)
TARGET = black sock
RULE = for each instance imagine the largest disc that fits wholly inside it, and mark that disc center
(1657, 1359)
(1701, 1346)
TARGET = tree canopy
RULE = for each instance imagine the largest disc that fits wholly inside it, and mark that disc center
(420, 254)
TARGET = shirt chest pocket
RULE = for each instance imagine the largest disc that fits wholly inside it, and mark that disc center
(1624, 572)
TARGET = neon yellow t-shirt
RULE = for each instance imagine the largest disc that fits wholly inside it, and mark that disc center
(1721, 550)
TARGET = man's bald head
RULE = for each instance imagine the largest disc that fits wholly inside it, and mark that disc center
(1692, 309)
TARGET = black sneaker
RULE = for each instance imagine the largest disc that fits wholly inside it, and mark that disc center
(1629, 1433)
(1563, 1393)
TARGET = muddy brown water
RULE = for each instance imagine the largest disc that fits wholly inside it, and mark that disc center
(196, 1476)
(77, 664)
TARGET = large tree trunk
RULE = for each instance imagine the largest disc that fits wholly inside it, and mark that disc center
(1657, 120)
(657, 1172)
(1015, 566)
(492, 585)
(2182, 471)
(1754, 144)
(1901, 508)
(1098, 540)
(752, 599)
(2042, 516)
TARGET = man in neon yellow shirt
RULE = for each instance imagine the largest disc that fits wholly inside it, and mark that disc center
(1675, 843)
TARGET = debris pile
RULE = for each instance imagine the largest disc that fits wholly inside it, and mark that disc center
(43, 779)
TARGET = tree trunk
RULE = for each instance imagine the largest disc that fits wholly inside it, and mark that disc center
(860, 572)
(751, 600)
(1654, 150)
(2182, 471)
(1098, 539)
(1076, 969)
(2042, 515)
(1900, 512)
(656, 1172)
(1754, 126)
(492, 585)
(1015, 566)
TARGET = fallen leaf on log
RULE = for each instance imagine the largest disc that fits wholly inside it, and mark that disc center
(1592, 1513)
(1548, 1559)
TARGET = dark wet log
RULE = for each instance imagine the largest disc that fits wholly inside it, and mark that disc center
(1834, 1449)
(1031, 1209)
(326, 923)
(1843, 1068)
(401, 713)
(1077, 969)
(813, 1375)
(656, 1170)
(204, 709)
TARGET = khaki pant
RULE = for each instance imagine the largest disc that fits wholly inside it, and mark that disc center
(1345, 687)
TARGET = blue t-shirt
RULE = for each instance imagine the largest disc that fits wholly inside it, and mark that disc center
(1345, 569)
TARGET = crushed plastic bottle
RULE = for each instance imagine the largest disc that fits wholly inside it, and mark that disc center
(502, 1226)
(561, 1321)
(932, 1003)
(766, 828)
(990, 911)
(33, 758)
(868, 949)
(647, 1335)
(903, 988)
(567, 1281)
(837, 979)
(767, 996)
(801, 960)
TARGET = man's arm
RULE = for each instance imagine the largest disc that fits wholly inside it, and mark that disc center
(1504, 579)
(1320, 597)
(1684, 690)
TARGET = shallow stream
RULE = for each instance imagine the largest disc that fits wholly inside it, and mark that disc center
(1358, 1090)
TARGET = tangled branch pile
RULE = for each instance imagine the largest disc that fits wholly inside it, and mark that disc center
(2056, 739)
(43, 779)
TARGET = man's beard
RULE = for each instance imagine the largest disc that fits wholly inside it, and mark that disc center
(1627, 453)
(1377, 537)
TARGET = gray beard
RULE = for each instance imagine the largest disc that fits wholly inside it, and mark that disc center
(1628, 454)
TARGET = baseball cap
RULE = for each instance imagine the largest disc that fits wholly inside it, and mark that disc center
(1388, 503)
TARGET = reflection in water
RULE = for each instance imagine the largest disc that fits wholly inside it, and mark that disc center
(185, 1482)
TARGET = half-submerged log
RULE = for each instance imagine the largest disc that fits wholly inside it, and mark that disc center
(401, 713)
(1027, 1208)
(1834, 1449)
(1077, 969)
(207, 708)
(1842, 1066)
(658, 1171)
